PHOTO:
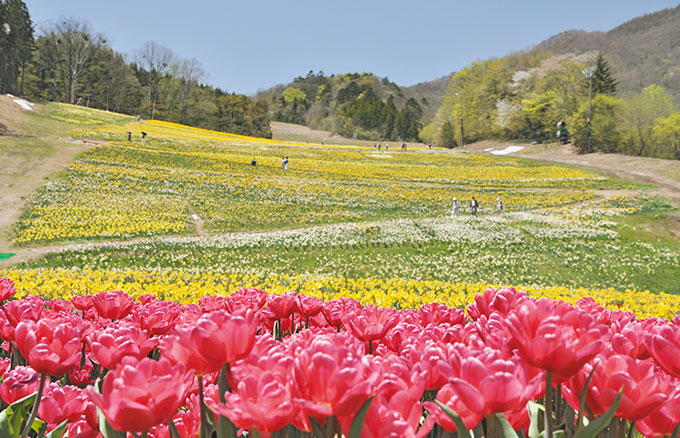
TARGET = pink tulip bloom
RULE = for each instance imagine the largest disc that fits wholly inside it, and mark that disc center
(7, 289)
(645, 388)
(50, 346)
(555, 336)
(141, 394)
(110, 345)
(19, 383)
(113, 305)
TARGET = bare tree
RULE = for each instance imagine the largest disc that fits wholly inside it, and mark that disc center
(155, 59)
(191, 72)
(71, 43)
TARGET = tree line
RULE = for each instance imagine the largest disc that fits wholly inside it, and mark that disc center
(353, 105)
(525, 95)
(67, 61)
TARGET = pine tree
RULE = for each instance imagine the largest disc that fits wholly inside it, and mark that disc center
(16, 43)
(603, 79)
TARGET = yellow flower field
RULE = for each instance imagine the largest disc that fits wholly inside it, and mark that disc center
(188, 287)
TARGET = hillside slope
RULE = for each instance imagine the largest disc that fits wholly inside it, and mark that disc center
(642, 51)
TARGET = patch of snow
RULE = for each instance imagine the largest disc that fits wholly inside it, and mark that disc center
(28, 106)
(9, 95)
(508, 150)
(488, 149)
(379, 156)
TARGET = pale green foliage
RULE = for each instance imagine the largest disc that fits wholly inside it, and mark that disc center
(606, 122)
(638, 118)
(291, 94)
(667, 133)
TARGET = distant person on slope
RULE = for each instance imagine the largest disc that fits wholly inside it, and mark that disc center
(499, 205)
(456, 205)
(474, 205)
(285, 164)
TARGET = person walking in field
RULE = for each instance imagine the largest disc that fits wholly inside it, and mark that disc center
(474, 205)
(456, 206)
(499, 205)
(285, 164)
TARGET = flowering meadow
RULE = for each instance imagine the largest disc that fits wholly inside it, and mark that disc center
(258, 364)
(132, 188)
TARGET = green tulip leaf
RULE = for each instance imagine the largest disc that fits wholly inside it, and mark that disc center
(460, 426)
(174, 433)
(13, 416)
(358, 422)
(676, 431)
(506, 428)
(225, 428)
(58, 432)
(317, 429)
(106, 429)
(536, 420)
(595, 426)
(582, 403)
(255, 433)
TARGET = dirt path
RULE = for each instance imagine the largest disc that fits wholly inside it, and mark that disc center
(665, 174)
(27, 163)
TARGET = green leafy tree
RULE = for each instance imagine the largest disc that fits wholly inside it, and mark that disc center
(606, 121)
(639, 116)
(667, 132)
(291, 95)
(447, 135)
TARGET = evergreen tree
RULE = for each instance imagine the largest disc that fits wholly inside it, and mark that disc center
(16, 44)
(603, 79)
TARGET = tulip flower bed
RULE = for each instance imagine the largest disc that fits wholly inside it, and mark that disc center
(263, 365)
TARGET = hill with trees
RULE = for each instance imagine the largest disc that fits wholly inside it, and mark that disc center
(359, 105)
(68, 61)
(635, 91)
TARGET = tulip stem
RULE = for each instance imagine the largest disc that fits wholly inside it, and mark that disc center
(36, 404)
(632, 429)
(558, 404)
(145, 434)
(490, 426)
(548, 405)
(204, 418)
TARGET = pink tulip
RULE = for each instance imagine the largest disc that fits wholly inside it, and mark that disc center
(555, 336)
(263, 402)
(664, 344)
(50, 346)
(223, 338)
(18, 383)
(332, 376)
(7, 289)
(110, 345)
(113, 305)
(645, 388)
(62, 403)
(494, 300)
(141, 394)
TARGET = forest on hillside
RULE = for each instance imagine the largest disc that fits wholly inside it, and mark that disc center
(359, 105)
(68, 61)
(524, 96)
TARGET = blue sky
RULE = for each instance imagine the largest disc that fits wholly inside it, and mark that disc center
(252, 44)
